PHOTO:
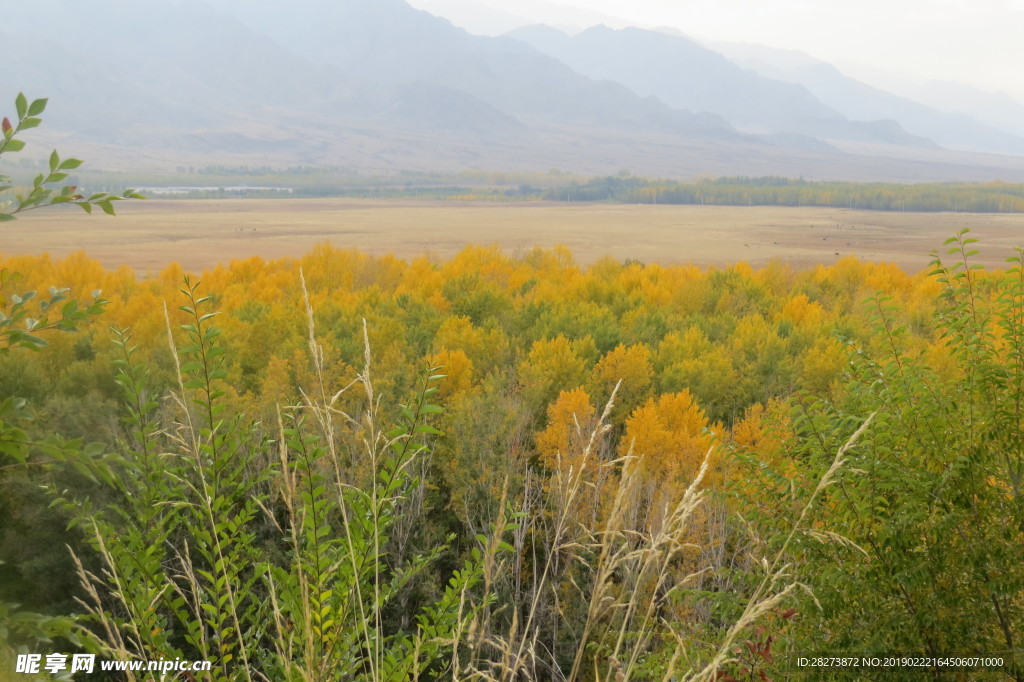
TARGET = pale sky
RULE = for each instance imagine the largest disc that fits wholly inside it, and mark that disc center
(979, 42)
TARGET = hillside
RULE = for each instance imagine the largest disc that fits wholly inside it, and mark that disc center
(689, 76)
(953, 125)
(380, 87)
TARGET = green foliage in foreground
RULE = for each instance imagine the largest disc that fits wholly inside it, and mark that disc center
(19, 330)
(940, 507)
(921, 538)
(255, 553)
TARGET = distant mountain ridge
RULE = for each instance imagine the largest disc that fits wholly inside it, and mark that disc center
(379, 86)
(858, 100)
(386, 42)
(686, 75)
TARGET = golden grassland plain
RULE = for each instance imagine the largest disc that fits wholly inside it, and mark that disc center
(148, 235)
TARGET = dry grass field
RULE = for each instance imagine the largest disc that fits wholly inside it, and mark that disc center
(147, 235)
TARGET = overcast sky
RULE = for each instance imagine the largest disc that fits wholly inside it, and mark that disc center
(980, 42)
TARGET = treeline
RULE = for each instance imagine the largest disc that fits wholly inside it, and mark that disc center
(713, 517)
(309, 181)
(331, 181)
(994, 197)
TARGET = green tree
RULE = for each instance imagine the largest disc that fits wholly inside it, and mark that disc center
(932, 504)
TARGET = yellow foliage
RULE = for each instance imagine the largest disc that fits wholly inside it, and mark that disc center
(631, 365)
(822, 363)
(421, 278)
(482, 346)
(942, 362)
(764, 428)
(669, 436)
(552, 365)
(457, 368)
(845, 276)
(277, 385)
(887, 277)
(743, 269)
(570, 420)
(143, 314)
(778, 277)
(675, 348)
(800, 310)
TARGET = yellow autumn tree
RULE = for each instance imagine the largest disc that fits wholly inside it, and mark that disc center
(765, 429)
(670, 436)
(571, 419)
(801, 311)
(457, 369)
(484, 347)
(822, 364)
(632, 366)
(552, 365)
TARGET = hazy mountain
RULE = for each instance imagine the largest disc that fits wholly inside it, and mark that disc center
(994, 108)
(686, 75)
(475, 17)
(386, 42)
(437, 108)
(494, 17)
(860, 101)
(372, 84)
(378, 86)
(185, 69)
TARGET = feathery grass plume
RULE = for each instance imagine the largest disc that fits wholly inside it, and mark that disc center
(620, 575)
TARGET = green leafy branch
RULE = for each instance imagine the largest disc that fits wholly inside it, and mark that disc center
(18, 327)
(43, 191)
(22, 321)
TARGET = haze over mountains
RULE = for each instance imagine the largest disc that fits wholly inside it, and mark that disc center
(378, 86)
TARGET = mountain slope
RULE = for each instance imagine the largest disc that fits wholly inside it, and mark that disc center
(386, 42)
(689, 76)
(996, 109)
(379, 87)
(858, 100)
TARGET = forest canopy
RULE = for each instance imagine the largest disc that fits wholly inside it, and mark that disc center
(744, 383)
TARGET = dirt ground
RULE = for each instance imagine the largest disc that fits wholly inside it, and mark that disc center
(147, 235)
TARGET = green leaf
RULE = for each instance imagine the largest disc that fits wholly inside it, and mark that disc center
(38, 106)
(6, 217)
(21, 104)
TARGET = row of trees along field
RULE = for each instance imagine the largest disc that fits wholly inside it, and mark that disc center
(304, 181)
(994, 197)
(498, 467)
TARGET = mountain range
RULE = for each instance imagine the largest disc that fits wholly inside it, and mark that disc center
(378, 86)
